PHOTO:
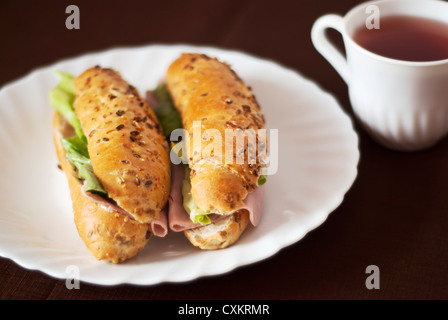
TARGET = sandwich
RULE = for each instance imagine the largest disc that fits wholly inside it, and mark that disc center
(113, 151)
(217, 189)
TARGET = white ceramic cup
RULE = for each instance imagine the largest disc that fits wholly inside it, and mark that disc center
(403, 105)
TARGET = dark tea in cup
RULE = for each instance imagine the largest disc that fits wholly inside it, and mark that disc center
(407, 38)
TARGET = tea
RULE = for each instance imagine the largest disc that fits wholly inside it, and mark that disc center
(406, 38)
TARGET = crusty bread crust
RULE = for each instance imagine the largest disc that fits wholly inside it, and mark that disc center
(221, 234)
(109, 236)
(126, 144)
(207, 90)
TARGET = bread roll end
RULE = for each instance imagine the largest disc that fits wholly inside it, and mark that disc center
(216, 188)
(221, 234)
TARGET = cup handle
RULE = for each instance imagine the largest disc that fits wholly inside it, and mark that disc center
(325, 47)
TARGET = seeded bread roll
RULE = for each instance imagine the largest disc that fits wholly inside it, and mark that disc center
(129, 157)
(108, 235)
(207, 90)
(126, 144)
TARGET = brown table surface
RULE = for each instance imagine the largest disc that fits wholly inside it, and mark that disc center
(395, 215)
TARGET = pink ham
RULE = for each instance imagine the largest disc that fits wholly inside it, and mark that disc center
(159, 227)
(179, 220)
(151, 99)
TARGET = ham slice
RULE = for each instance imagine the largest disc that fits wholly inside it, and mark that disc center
(178, 218)
(159, 227)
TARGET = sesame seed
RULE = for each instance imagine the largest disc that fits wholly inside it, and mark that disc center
(246, 108)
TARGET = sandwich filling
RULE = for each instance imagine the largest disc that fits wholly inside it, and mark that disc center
(62, 98)
(170, 120)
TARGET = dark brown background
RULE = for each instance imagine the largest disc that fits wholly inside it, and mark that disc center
(395, 216)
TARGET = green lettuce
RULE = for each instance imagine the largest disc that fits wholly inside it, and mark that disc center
(262, 179)
(197, 215)
(77, 154)
(62, 98)
(165, 111)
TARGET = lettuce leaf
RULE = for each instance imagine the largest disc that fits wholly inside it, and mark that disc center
(262, 179)
(76, 144)
(165, 111)
(77, 156)
(197, 215)
(62, 98)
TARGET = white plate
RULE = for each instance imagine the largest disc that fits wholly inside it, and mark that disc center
(318, 158)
